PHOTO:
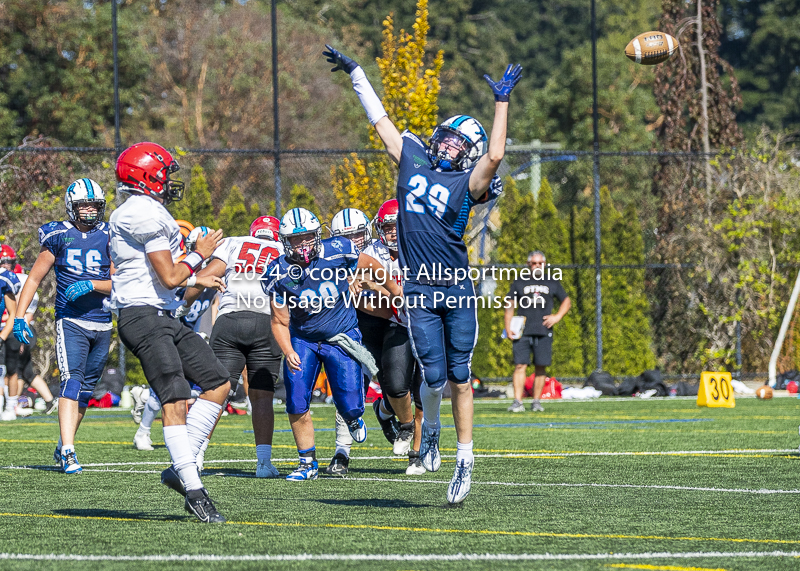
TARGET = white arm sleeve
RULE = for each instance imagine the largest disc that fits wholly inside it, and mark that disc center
(366, 94)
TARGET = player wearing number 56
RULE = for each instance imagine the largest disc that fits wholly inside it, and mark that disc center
(438, 183)
(78, 248)
(315, 324)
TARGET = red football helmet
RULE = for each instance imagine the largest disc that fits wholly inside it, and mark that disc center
(266, 227)
(387, 214)
(145, 168)
(8, 255)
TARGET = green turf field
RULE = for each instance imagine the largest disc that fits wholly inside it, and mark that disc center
(609, 484)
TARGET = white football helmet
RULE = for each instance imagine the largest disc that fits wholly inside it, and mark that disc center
(354, 225)
(85, 191)
(301, 222)
(461, 132)
(191, 239)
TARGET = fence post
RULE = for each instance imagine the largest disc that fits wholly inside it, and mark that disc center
(121, 361)
(276, 136)
(596, 180)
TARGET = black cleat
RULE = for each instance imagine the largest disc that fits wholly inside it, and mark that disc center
(339, 466)
(390, 427)
(51, 407)
(200, 505)
(170, 479)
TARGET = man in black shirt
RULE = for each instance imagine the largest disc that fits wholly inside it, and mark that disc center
(533, 299)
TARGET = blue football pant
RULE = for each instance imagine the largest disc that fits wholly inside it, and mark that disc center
(442, 337)
(81, 355)
(344, 376)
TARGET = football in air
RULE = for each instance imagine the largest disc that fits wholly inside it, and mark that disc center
(764, 392)
(651, 48)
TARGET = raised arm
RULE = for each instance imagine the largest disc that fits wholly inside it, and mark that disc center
(488, 164)
(369, 100)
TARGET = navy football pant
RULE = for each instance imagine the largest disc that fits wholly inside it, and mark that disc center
(81, 355)
(344, 375)
(442, 337)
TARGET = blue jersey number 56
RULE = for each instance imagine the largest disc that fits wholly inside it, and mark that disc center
(93, 260)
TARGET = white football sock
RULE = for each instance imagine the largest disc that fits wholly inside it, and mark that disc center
(200, 422)
(177, 441)
(11, 403)
(464, 452)
(151, 408)
(344, 440)
(383, 413)
(431, 402)
(264, 452)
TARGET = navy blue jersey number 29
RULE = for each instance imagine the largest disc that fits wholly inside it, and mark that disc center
(437, 196)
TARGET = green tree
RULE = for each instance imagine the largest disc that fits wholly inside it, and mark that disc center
(627, 337)
(234, 218)
(759, 39)
(196, 206)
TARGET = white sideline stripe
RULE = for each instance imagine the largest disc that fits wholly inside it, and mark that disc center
(504, 455)
(407, 556)
(210, 472)
(762, 491)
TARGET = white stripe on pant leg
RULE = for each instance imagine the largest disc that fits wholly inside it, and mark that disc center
(61, 357)
(413, 347)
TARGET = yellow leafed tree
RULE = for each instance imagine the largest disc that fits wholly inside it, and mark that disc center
(411, 91)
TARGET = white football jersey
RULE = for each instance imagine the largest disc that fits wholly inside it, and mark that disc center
(138, 227)
(378, 251)
(246, 259)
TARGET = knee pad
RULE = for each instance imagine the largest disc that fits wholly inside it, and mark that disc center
(435, 376)
(71, 389)
(459, 374)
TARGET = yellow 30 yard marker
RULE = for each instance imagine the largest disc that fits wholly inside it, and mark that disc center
(715, 390)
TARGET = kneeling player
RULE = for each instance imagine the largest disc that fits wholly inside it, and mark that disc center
(314, 326)
(242, 333)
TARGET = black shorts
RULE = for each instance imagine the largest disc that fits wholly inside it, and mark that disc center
(540, 346)
(389, 344)
(245, 338)
(170, 353)
(18, 358)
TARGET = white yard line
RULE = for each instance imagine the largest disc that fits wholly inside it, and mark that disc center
(407, 556)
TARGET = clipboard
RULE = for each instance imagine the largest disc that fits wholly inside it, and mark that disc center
(517, 327)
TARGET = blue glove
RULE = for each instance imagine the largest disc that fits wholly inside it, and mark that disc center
(340, 60)
(22, 331)
(502, 89)
(78, 289)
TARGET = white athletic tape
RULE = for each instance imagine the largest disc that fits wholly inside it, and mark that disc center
(407, 556)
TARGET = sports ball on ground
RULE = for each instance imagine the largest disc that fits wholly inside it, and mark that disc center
(764, 392)
(651, 48)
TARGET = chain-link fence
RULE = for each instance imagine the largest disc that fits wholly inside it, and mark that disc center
(679, 289)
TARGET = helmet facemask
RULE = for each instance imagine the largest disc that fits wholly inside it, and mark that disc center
(384, 229)
(442, 141)
(306, 250)
(360, 237)
(173, 189)
(90, 219)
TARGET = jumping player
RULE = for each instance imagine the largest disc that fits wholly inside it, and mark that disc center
(145, 247)
(242, 334)
(314, 326)
(78, 248)
(437, 186)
